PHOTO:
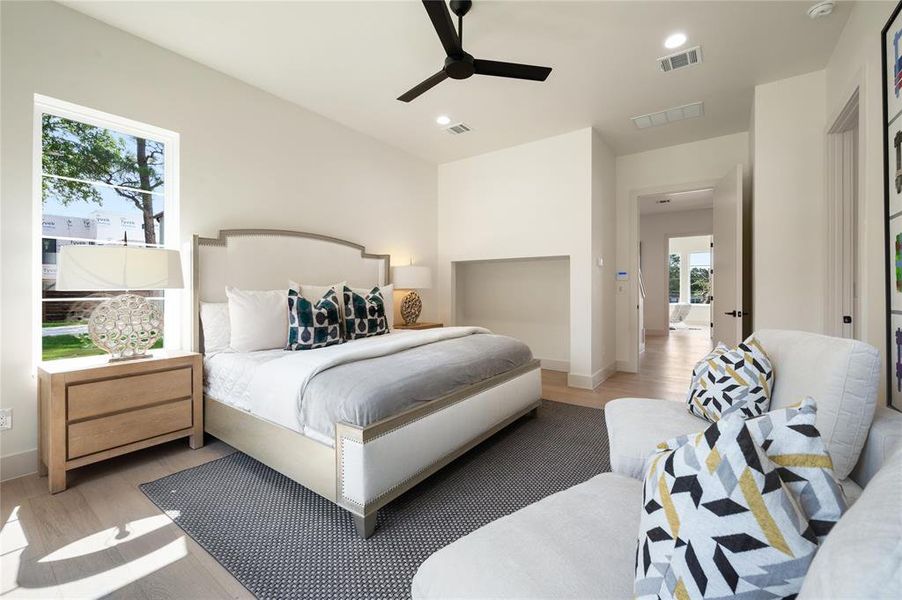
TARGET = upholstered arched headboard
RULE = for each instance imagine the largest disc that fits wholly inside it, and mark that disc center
(265, 259)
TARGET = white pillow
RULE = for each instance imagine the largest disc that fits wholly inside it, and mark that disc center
(387, 299)
(258, 320)
(214, 320)
(315, 292)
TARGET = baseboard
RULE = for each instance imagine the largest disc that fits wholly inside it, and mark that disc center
(555, 365)
(590, 382)
(624, 366)
(19, 464)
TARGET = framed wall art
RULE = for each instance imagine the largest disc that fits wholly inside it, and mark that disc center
(892, 166)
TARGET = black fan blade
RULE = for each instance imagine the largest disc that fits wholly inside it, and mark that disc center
(423, 87)
(512, 70)
(444, 26)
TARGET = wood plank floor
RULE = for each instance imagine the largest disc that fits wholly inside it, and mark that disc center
(665, 369)
(103, 537)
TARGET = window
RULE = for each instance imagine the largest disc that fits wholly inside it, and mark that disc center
(674, 286)
(100, 184)
(699, 277)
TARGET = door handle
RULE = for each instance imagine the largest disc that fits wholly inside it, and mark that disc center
(732, 313)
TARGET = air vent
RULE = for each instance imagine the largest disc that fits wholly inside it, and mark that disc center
(457, 128)
(671, 115)
(679, 60)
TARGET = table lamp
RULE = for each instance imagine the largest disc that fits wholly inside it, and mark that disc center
(411, 277)
(126, 325)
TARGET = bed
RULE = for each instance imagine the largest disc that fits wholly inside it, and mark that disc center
(362, 422)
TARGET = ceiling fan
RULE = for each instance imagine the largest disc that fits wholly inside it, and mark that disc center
(459, 64)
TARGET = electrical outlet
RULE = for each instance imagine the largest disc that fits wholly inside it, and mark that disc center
(6, 419)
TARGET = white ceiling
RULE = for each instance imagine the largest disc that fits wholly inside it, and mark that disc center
(350, 60)
(689, 200)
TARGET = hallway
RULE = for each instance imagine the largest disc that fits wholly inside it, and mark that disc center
(665, 369)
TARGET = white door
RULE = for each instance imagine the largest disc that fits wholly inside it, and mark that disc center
(726, 261)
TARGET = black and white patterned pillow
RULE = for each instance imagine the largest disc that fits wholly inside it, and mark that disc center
(732, 380)
(313, 325)
(737, 510)
(364, 315)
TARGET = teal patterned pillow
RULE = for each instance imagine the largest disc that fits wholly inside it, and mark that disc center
(313, 325)
(364, 314)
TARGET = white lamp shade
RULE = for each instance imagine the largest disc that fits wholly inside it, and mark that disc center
(412, 277)
(118, 268)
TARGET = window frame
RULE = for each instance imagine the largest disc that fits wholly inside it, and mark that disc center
(172, 327)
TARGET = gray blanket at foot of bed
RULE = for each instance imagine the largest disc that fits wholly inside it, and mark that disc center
(363, 392)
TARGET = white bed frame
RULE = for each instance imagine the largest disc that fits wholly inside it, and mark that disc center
(369, 466)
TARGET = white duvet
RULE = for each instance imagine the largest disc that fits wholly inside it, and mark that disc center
(271, 383)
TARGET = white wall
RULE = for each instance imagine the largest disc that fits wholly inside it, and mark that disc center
(789, 209)
(248, 159)
(655, 231)
(533, 200)
(666, 169)
(604, 246)
(856, 63)
(487, 294)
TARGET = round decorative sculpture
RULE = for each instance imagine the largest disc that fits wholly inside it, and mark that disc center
(411, 305)
(126, 326)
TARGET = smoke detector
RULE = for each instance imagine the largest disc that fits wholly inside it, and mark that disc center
(681, 59)
(458, 128)
(821, 9)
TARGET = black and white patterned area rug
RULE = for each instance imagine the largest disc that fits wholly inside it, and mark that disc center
(281, 540)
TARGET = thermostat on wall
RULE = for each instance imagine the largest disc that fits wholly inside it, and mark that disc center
(623, 276)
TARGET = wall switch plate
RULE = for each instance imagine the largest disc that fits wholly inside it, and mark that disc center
(6, 419)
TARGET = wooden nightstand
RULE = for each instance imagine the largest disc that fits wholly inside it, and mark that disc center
(91, 409)
(420, 325)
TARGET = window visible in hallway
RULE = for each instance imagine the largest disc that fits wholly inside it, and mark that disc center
(699, 277)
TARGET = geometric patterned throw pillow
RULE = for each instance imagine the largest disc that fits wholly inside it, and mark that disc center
(364, 315)
(732, 380)
(737, 510)
(313, 325)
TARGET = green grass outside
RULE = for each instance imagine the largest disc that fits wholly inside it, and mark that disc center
(63, 323)
(72, 346)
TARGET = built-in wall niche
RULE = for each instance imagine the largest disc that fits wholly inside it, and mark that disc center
(526, 298)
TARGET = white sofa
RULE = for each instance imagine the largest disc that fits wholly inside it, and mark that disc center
(581, 542)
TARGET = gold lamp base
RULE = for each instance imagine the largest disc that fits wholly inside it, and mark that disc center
(411, 306)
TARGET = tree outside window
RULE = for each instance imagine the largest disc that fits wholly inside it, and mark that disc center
(674, 278)
(700, 277)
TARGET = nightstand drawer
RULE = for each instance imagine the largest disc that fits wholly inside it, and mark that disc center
(94, 435)
(97, 398)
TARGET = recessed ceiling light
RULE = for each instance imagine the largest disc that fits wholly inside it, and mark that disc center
(675, 40)
(443, 119)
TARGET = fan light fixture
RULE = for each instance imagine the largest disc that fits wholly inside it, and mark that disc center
(443, 119)
(459, 64)
(675, 40)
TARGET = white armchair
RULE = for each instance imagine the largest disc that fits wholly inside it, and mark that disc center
(841, 375)
(581, 542)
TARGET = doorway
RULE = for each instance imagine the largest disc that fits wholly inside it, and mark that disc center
(675, 233)
(843, 311)
(725, 204)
